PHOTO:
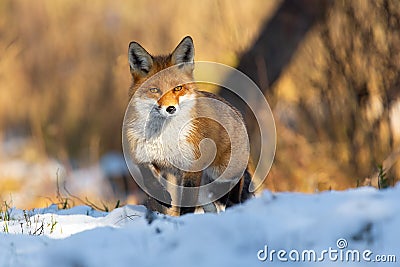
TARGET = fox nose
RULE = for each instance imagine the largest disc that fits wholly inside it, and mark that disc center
(171, 109)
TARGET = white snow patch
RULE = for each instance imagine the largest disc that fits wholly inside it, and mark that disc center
(366, 218)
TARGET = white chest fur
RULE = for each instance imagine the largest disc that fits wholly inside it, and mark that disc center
(164, 140)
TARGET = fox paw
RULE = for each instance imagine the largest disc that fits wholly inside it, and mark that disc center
(167, 200)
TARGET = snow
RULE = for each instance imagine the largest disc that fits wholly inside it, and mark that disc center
(368, 219)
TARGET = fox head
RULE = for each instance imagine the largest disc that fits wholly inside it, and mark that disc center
(162, 83)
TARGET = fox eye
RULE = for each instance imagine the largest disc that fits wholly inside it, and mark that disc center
(178, 88)
(154, 90)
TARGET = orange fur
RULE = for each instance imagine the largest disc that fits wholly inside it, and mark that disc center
(168, 89)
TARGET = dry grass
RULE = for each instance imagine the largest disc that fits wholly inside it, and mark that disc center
(64, 74)
(63, 66)
(64, 80)
(337, 102)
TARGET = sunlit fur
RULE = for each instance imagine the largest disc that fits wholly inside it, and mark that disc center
(153, 131)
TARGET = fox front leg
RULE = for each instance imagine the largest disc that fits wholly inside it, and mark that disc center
(151, 180)
(193, 180)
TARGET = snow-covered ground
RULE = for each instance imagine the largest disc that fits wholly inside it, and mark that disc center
(275, 228)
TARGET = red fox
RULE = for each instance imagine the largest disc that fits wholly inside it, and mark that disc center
(170, 119)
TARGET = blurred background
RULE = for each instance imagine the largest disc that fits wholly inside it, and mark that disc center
(329, 69)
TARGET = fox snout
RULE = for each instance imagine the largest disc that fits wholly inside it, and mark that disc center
(168, 103)
(168, 110)
(171, 109)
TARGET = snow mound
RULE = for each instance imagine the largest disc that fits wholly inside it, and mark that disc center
(272, 229)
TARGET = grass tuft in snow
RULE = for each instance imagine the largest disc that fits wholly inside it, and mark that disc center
(5, 212)
(383, 180)
(67, 200)
(24, 221)
(5, 215)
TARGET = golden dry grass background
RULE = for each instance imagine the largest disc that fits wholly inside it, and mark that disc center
(64, 74)
(337, 103)
(64, 80)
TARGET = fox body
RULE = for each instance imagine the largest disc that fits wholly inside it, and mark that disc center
(182, 134)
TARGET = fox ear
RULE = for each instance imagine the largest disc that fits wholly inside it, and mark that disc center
(184, 52)
(140, 61)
